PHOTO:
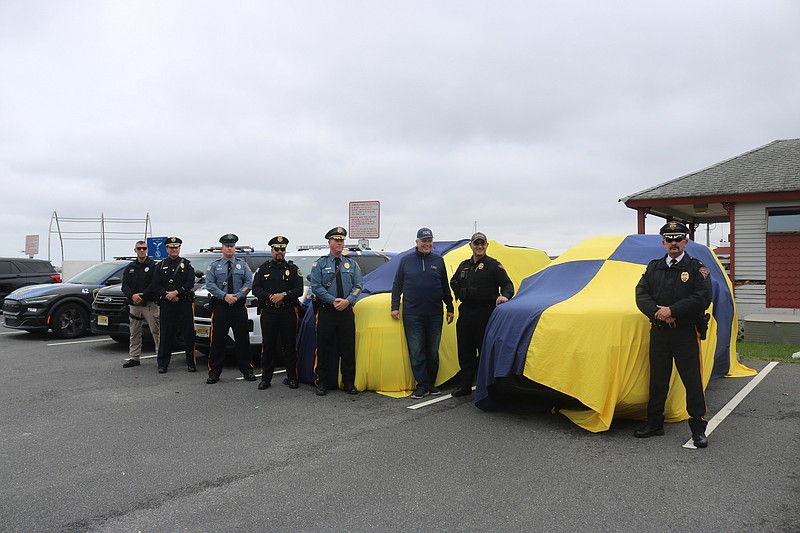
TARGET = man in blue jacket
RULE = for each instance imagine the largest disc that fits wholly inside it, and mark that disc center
(422, 282)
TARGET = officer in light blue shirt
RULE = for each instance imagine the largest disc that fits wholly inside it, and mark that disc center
(229, 280)
(336, 282)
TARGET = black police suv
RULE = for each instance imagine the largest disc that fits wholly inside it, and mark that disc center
(19, 272)
(110, 310)
(64, 307)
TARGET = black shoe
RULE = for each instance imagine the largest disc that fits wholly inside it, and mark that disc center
(434, 390)
(249, 377)
(162, 370)
(192, 369)
(350, 389)
(700, 440)
(461, 391)
(131, 362)
(264, 385)
(211, 380)
(321, 390)
(420, 392)
(293, 384)
(649, 431)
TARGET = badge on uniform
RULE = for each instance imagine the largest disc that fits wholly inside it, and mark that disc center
(480, 266)
(181, 265)
(684, 276)
(238, 266)
(346, 264)
(147, 269)
(287, 273)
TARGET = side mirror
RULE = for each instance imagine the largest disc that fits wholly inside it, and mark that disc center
(113, 281)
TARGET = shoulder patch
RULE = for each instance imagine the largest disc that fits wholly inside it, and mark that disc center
(704, 272)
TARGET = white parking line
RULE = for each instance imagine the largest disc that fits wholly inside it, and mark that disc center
(431, 401)
(79, 342)
(241, 378)
(736, 400)
(145, 357)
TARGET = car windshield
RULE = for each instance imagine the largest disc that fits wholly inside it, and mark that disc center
(96, 274)
(303, 262)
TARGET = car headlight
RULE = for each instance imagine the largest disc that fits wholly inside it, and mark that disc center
(38, 300)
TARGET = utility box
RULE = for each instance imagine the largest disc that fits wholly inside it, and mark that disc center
(775, 328)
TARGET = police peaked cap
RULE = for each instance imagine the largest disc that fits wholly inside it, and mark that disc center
(173, 242)
(229, 239)
(673, 227)
(279, 241)
(338, 233)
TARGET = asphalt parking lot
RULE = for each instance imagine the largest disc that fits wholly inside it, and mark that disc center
(89, 446)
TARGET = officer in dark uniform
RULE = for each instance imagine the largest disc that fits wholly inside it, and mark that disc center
(136, 282)
(228, 280)
(674, 293)
(173, 284)
(336, 282)
(481, 284)
(278, 284)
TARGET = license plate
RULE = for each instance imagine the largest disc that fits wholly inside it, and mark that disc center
(102, 320)
(202, 331)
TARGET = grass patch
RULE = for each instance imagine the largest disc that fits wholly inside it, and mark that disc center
(765, 351)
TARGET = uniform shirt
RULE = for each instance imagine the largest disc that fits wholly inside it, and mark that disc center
(173, 274)
(217, 278)
(137, 278)
(685, 288)
(273, 277)
(421, 279)
(480, 283)
(323, 279)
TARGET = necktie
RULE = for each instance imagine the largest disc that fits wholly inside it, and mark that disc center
(229, 281)
(672, 262)
(339, 284)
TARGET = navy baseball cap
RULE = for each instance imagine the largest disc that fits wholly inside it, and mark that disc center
(424, 233)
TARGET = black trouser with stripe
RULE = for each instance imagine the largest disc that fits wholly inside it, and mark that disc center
(175, 317)
(336, 329)
(470, 329)
(275, 323)
(223, 318)
(682, 344)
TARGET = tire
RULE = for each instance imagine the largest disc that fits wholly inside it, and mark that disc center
(70, 321)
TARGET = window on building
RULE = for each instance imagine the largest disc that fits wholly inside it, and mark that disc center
(783, 221)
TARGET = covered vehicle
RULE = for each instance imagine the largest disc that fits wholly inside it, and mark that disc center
(382, 362)
(574, 334)
(63, 307)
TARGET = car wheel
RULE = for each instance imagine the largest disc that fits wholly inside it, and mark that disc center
(70, 321)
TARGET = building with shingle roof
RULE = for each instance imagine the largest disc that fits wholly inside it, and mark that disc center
(758, 193)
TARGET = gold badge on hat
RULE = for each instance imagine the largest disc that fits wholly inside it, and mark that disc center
(673, 225)
(280, 239)
(340, 229)
(684, 276)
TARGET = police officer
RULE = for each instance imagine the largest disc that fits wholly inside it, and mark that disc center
(674, 293)
(278, 284)
(142, 304)
(173, 284)
(336, 283)
(228, 280)
(481, 284)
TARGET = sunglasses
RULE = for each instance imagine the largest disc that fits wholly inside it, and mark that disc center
(674, 238)
(143, 248)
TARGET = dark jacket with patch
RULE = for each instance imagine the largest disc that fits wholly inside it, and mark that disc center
(137, 279)
(685, 288)
(479, 283)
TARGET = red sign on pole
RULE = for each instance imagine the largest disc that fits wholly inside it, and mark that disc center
(365, 220)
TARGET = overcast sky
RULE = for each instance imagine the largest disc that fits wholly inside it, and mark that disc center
(530, 118)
